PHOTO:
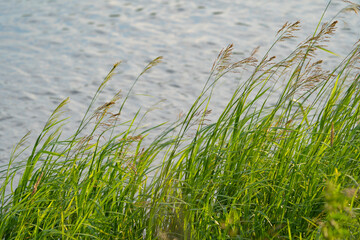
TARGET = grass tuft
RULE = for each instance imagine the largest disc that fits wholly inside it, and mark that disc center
(281, 161)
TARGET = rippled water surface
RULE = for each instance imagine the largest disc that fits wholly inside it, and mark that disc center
(53, 49)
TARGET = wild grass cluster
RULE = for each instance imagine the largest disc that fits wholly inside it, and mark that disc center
(284, 169)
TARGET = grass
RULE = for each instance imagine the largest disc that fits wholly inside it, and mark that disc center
(287, 170)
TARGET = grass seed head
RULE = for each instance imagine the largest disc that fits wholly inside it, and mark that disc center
(151, 64)
(353, 7)
(287, 30)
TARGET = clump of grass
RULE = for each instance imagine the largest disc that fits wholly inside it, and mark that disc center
(288, 169)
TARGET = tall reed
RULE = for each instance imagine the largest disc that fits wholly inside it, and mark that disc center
(288, 169)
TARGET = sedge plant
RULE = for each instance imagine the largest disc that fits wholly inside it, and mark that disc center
(287, 169)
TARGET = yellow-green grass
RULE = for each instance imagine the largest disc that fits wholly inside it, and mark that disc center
(289, 170)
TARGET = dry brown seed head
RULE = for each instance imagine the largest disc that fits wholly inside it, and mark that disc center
(254, 51)
(105, 105)
(272, 58)
(223, 60)
(136, 138)
(353, 7)
(288, 30)
(37, 184)
(332, 27)
(115, 115)
(282, 28)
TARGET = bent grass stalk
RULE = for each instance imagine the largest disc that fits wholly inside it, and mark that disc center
(261, 171)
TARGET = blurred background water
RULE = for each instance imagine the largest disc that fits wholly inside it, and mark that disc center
(52, 49)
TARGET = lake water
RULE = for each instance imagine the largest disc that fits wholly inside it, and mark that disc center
(53, 49)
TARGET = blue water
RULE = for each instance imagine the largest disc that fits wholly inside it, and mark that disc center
(53, 49)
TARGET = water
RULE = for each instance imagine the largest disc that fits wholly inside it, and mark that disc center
(53, 49)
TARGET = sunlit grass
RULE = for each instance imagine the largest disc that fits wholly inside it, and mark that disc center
(287, 170)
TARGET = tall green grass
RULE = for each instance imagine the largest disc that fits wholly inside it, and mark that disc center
(288, 170)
